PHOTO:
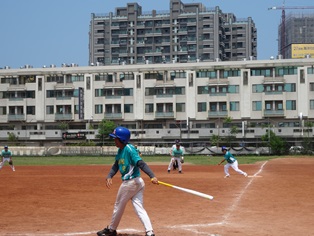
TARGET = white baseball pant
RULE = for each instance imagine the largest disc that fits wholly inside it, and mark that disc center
(130, 190)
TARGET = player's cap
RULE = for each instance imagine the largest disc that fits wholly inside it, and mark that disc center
(177, 142)
(224, 148)
(5, 146)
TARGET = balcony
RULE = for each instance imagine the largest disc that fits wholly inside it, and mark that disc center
(16, 117)
(163, 115)
(113, 116)
(218, 94)
(213, 114)
(274, 113)
(273, 92)
(64, 116)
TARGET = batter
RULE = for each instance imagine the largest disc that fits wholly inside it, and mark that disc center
(129, 163)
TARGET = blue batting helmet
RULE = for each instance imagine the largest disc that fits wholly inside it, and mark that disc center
(122, 133)
(5, 146)
(224, 148)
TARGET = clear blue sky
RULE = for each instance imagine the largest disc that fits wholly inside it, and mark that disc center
(44, 32)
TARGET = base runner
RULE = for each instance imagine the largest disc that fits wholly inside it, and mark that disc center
(232, 162)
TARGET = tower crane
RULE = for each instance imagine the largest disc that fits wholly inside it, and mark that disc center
(283, 23)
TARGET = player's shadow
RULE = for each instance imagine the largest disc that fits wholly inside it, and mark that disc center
(129, 234)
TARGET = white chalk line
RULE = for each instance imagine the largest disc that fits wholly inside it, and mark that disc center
(190, 227)
(237, 200)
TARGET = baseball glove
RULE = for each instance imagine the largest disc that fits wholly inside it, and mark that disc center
(10, 162)
(182, 160)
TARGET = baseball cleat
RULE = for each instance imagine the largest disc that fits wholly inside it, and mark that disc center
(227, 176)
(149, 233)
(245, 174)
(107, 232)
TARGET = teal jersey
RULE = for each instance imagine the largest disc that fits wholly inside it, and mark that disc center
(127, 159)
(229, 157)
(6, 154)
(177, 152)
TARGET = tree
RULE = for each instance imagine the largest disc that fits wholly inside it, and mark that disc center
(63, 126)
(276, 144)
(306, 141)
(104, 129)
(215, 140)
(12, 138)
(233, 130)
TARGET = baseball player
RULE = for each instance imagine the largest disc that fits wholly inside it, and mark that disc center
(6, 155)
(231, 162)
(129, 163)
(176, 152)
(138, 150)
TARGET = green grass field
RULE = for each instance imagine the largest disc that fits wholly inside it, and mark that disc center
(108, 160)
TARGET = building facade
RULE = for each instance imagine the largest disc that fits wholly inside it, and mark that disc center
(297, 36)
(160, 102)
(185, 33)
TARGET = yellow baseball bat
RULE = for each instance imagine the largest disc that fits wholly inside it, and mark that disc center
(188, 190)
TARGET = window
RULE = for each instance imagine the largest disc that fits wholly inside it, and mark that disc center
(30, 110)
(99, 92)
(180, 107)
(234, 106)
(180, 90)
(98, 109)
(291, 87)
(291, 105)
(40, 84)
(289, 70)
(88, 83)
(76, 109)
(262, 72)
(245, 78)
(206, 74)
(257, 88)
(128, 92)
(3, 110)
(128, 108)
(202, 90)
(311, 104)
(302, 77)
(49, 110)
(201, 106)
(149, 108)
(149, 91)
(213, 106)
(233, 89)
(257, 105)
(310, 70)
(268, 106)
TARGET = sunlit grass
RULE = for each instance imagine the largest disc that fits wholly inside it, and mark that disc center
(108, 160)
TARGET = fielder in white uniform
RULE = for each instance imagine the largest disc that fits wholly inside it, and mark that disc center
(6, 155)
(231, 162)
(176, 153)
(129, 163)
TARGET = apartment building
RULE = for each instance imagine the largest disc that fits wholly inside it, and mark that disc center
(296, 36)
(184, 33)
(159, 102)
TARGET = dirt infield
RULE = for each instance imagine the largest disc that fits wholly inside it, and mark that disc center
(277, 199)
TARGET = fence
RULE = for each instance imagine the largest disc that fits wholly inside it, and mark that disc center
(145, 150)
